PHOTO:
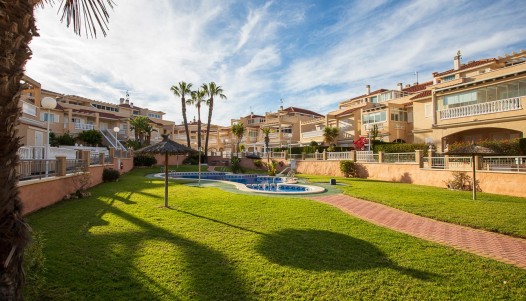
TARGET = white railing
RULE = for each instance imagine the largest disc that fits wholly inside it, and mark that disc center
(459, 163)
(314, 156)
(84, 126)
(311, 134)
(399, 157)
(505, 163)
(502, 105)
(31, 152)
(278, 155)
(365, 156)
(339, 156)
(29, 109)
(64, 152)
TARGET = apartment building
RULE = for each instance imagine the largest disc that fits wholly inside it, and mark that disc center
(75, 114)
(219, 138)
(284, 125)
(478, 100)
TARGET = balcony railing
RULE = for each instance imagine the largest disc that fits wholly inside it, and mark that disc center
(84, 126)
(502, 105)
(311, 134)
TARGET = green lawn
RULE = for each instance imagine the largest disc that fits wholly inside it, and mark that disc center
(498, 213)
(120, 244)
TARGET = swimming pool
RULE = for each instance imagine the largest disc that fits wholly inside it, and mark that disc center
(252, 182)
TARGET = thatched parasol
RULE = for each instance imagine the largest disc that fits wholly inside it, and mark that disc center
(166, 147)
(473, 150)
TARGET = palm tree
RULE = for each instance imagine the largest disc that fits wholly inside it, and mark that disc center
(198, 98)
(266, 132)
(238, 130)
(17, 29)
(182, 90)
(140, 124)
(329, 135)
(211, 90)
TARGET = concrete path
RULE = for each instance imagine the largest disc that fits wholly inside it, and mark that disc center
(488, 244)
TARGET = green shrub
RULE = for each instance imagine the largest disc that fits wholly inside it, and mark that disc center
(258, 163)
(501, 147)
(144, 160)
(110, 175)
(235, 165)
(271, 168)
(91, 137)
(522, 146)
(34, 267)
(388, 147)
(66, 139)
(348, 168)
(135, 144)
(193, 159)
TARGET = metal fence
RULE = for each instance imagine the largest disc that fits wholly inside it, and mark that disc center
(505, 163)
(399, 158)
(36, 169)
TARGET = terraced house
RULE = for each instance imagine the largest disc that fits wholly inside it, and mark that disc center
(475, 101)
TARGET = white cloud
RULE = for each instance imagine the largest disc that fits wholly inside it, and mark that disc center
(311, 55)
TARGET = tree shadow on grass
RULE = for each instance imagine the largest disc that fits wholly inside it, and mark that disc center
(207, 273)
(318, 250)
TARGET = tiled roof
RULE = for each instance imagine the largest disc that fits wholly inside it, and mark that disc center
(364, 95)
(101, 114)
(303, 111)
(124, 105)
(465, 66)
(254, 116)
(423, 94)
(417, 87)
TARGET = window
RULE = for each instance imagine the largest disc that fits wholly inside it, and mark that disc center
(398, 115)
(135, 112)
(373, 99)
(154, 115)
(448, 78)
(376, 117)
(428, 110)
(52, 117)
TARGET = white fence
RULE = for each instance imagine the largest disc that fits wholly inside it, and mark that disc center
(339, 156)
(505, 163)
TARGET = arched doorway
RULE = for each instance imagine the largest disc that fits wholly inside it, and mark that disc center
(481, 134)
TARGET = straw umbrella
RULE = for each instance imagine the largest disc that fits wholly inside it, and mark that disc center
(166, 147)
(473, 150)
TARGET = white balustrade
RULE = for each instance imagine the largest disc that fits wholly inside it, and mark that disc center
(84, 126)
(399, 157)
(502, 105)
(505, 163)
(339, 156)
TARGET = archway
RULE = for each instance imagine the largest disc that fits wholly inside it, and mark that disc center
(481, 134)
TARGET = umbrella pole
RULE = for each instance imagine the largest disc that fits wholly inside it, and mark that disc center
(166, 180)
(474, 177)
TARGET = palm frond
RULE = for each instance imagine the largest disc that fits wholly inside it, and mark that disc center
(93, 13)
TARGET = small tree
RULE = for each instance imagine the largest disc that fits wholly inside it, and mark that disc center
(266, 132)
(329, 135)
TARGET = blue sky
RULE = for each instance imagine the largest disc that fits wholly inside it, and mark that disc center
(311, 54)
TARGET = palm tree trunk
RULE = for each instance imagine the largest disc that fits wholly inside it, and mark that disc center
(210, 109)
(17, 28)
(183, 104)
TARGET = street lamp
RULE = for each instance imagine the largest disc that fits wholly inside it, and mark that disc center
(199, 164)
(48, 103)
(116, 130)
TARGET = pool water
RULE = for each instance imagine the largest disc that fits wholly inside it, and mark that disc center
(223, 176)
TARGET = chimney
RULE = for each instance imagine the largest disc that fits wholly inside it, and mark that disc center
(281, 108)
(128, 101)
(456, 60)
(131, 105)
(399, 86)
(368, 89)
(408, 85)
(121, 100)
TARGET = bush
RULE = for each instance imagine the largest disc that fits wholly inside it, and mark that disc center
(110, 175)
(144, 160)
(258, 163)
(271, 168)
(34, 267)
(193, 159)
(91, 137)
(349, 168)
(235, 165)
(501, 147)
(461, 181)
(135, 144)
(66, 139)
(387, 147)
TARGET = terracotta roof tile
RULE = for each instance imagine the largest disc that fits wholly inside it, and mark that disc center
(417, 87)
(364, 95)
(303, 111)
(423, 94)
(465, 66)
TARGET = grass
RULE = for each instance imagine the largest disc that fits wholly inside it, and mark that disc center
(497, 213)
(119, 244)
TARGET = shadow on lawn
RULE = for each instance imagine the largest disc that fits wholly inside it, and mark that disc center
(320, 250)
(207, 272)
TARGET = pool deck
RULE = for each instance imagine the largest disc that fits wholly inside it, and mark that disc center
(492, 245)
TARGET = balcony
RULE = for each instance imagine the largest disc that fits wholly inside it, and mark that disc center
(84, 126)
(311, 134)
(497, 106)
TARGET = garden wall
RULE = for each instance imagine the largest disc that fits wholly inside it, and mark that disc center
(491, 182)
(40, 193)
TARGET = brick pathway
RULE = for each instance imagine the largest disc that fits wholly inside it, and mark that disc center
(488, 244)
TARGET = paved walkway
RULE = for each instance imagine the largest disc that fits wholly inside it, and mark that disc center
(488, 244)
